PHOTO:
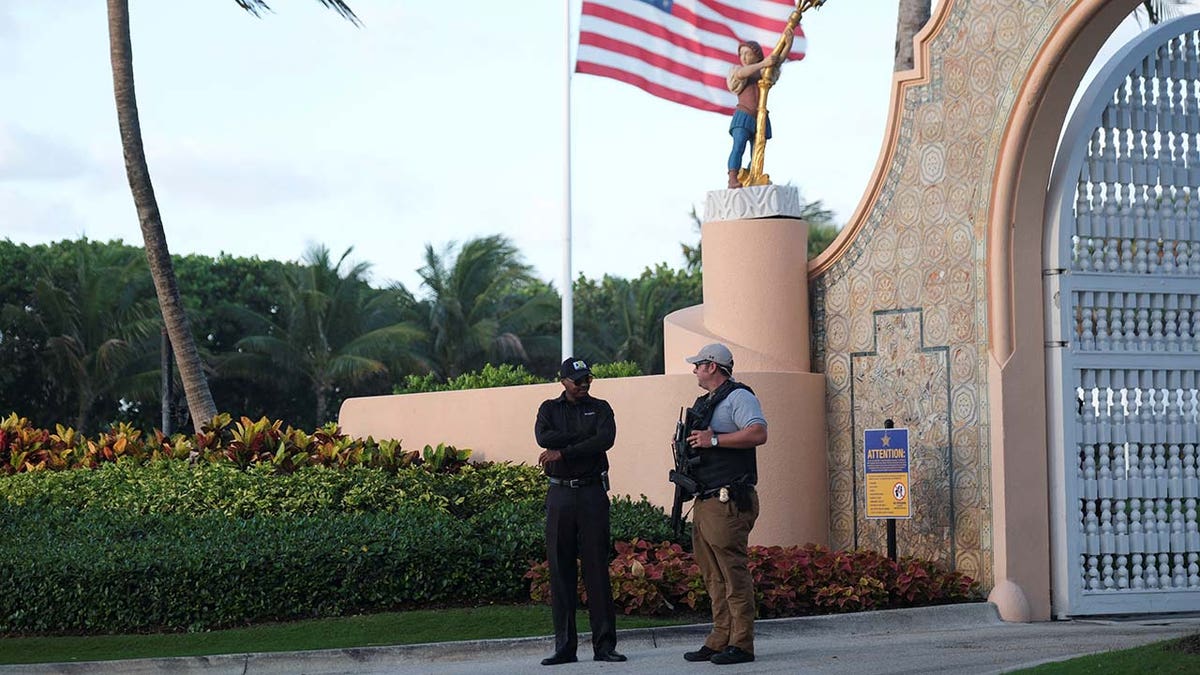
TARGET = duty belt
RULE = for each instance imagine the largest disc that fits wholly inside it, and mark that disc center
(575, 482)
(716, 492)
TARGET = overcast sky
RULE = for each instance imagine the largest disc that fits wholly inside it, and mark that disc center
(434, 122)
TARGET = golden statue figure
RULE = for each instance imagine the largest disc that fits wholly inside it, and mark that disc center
(763, 69)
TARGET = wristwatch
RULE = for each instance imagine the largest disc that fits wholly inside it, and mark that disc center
(714, 440)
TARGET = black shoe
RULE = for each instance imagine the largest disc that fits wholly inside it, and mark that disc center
(611, 657)
(559, 658)
(732, 655)
(702, 654)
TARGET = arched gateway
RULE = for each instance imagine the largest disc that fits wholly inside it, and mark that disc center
(946, 250)
(1122, 281)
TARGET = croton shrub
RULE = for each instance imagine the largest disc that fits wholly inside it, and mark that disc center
(788, 581)
(244, 443)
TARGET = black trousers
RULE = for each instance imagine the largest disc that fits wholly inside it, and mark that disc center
(577, 526)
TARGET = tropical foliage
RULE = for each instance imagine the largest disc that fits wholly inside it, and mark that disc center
(657, 578)
(92, 319)
(291, 340)
(621, 319)
(484, 305)
(329, 330)
(251, 521)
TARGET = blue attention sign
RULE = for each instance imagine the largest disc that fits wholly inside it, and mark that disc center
(885, 465)
(886, 451)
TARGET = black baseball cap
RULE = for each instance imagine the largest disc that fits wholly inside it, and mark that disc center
(574, 369)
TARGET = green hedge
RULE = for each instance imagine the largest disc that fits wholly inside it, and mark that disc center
(503, 375)
(101, 571)
(174, 546)
(172, 486)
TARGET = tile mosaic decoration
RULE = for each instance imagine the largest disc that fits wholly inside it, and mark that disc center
(913, 280)
(906, 380)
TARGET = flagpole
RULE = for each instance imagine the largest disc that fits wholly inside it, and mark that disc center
(568, 295)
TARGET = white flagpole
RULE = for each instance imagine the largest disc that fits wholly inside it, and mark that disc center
(568, 299)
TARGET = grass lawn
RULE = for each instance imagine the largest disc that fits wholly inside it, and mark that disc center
(396, 628)
(1170, 656)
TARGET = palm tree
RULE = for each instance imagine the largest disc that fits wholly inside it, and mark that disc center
(97, 322)
(910, 20)
(330, 330)
(623, 318)
(191, 373)
(484, 306)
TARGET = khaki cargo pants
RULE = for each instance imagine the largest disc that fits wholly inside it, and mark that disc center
(720, 535)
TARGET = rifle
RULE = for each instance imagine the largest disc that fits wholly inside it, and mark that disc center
(686, 487)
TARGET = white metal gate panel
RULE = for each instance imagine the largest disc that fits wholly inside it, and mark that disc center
(1122, 280)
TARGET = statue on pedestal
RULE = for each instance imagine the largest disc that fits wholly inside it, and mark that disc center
(750, 119)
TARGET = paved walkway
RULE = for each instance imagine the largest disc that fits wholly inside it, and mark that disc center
(949, 639)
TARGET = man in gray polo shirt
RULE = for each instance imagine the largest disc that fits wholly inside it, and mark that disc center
(725, 426)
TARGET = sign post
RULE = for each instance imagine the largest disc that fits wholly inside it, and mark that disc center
(885, 466)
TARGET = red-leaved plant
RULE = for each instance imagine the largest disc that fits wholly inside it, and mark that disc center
(788, 581)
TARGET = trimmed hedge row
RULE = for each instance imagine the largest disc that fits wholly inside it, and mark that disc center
(173, 486)
(174, 546)
(503, 375)
(106, 571)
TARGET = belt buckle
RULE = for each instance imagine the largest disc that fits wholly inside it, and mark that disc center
(573, 483)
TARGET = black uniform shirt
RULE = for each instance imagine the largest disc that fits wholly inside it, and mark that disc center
(582, 431)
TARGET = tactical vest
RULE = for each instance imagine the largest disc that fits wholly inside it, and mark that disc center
(720, 465)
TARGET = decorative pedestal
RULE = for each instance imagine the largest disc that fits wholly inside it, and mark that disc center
(761, 201)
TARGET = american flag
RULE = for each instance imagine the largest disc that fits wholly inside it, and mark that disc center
(680, 50)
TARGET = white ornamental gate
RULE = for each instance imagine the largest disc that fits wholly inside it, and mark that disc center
(1122, 280)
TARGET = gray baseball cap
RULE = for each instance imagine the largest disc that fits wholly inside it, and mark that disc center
(716, 352)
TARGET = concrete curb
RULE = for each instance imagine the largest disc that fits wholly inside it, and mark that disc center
(943, 617)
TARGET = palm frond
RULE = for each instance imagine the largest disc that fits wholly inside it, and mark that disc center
(349, 368)
(257, 7)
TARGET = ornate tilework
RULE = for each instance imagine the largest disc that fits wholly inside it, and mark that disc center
(923, 245)
(904, 379)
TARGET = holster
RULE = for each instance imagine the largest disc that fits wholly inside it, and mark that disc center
(740, 495)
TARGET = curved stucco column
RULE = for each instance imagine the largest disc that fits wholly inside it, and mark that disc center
(756, 287)
(755, 283)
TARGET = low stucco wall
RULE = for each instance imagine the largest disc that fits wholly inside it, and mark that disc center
(497, 424)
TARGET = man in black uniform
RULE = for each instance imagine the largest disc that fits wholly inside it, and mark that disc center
(576, 431)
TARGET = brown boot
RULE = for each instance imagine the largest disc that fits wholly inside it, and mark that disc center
(734, 183)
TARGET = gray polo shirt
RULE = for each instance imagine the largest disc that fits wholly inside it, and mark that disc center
(739, 410)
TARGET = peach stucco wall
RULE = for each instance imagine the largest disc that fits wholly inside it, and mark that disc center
(754, 274)
(497, 424)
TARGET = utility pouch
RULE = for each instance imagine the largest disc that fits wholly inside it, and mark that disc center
(740, 493)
